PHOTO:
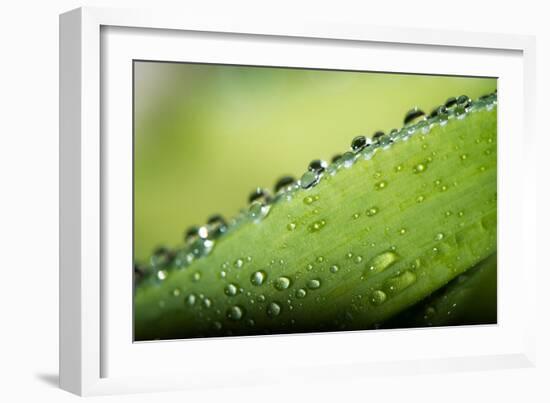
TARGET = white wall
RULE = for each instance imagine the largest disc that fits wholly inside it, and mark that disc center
(28, 201)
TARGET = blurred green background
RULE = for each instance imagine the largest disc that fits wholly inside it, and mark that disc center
(207, 135)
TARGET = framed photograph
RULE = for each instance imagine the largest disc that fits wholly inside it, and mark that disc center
(274, 201)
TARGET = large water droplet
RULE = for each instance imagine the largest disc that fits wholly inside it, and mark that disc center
(381, 262)
(284, 183)
(231, 289)
(313, 284)
(258, 277)
(377, 297)
(347, 159)
(317, 166)
(273, 309)
(216, 226)
(282, 283)
(235, 313)
(309, 179)
(259, 195)
(359, 143)
(413, 116)
(400, 282)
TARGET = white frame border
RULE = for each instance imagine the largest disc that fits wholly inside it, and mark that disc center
(80, 164)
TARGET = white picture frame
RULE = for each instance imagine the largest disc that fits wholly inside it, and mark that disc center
(96, 355)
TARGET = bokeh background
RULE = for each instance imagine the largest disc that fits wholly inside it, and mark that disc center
(207, 135)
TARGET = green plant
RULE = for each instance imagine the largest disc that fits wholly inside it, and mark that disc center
(350, 246)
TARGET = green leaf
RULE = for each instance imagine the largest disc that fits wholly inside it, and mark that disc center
(367, 242)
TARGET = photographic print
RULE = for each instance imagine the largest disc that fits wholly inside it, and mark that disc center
(277, 200)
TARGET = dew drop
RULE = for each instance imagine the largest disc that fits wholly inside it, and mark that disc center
(190, 300)
(260, 196)
(317, 226)
(347, 159)
(381, 262)
(359, 143)
(419, 168)
(176, 292)
(258, 277)
(216, 226)
(317, 166)
(439, 236)
(413, 116)
(301, 293)
(196, 276)
(207, 303)
(238, 263)
(161, 274)
(291, 226)
(273, 309)
(463, 157)
(358, 259)
(420, 199)
(313, 284)
(377, 297)
(381, 185)
(402, 231)
(334, 268)
(235, 313)
(309, 179)
(398, 168)
(284, 183)
(282, 283)
(400, 282)
(231, 290)
(356, 216)
(372, 211)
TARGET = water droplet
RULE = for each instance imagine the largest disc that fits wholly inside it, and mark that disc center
(461, 213)
(334, 268)
(359, 143)
(161, 274)
(372, 211)
(223, 274)
(291, 226)
(419, 168)
(190, 300)
(381, 185)
(317, 166)
(216, 226)
(259, 195)
(377, 135)
(336, 157)
(309, 179)
(356, 216)
(413, 116)
(258, 277)
(358, 259)
(176, 292)
(273, 309)
(381, 262)
(377, 297)
(347, 159)
(260, 298)
(231, 290)
(196, 276)
(439, 236)
(317, 226)
(400, 282)
(238, 263)
(258, 211)
(282, 283)
(313, 284)
(235, 313)
(301, 293)
(420, 199)
(207, 303)
(398, 168)
(451, 102)
(402, 231)
(463, 157)
(284, 183)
